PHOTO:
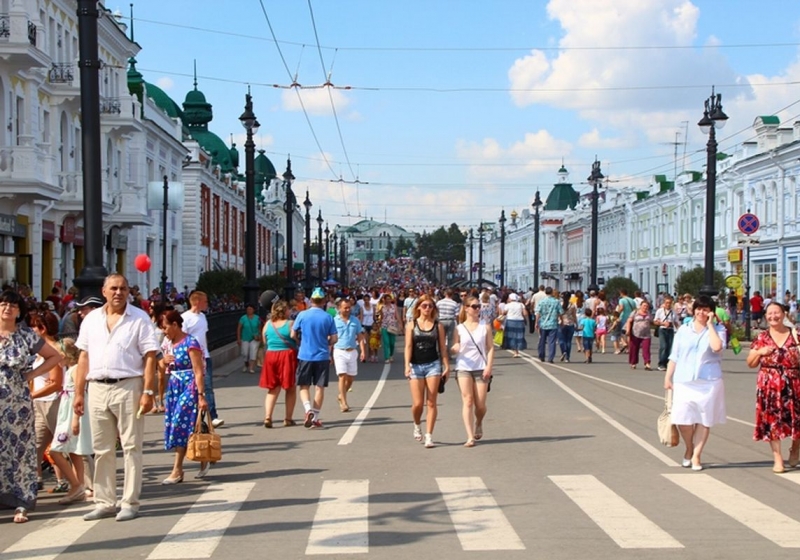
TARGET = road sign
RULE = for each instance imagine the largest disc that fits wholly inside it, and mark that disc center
(748, 223)
(733, 282)
(749, 241)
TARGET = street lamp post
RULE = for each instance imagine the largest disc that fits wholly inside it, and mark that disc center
(537, 203)
(327, 252)
(480, 254)
(343, 261)
(502, 248)
(471, 239)
(319, 247)
(289, 208)
(713, 118)
(307, 247)
(91, 278)
(334, 255)
(250, 124)
(594, 179)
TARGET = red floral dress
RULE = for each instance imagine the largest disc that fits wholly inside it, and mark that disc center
(777, 390)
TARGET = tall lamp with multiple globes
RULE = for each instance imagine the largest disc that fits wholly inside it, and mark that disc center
(537, 203)
(250, 124)
(595, 178)
(713, 118)
(307, 247)
(327, 252)
(502, 248)
(289, 205)
(319, 247)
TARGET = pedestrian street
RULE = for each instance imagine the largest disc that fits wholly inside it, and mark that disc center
(569, 466)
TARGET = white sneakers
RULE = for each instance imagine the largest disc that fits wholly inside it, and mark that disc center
(217, 422)
(429, 441)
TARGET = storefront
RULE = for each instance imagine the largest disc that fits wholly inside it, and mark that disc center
(16, 262)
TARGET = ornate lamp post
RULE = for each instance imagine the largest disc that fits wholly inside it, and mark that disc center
(327, 252)
(289, 205)
(537, 203)
(307, 247)
(251, 125)
(471, 239)
(334, 254)
(594, 179)
(502, 248)
(480, 254)
(343, 261)
(319, 247)
(713, 118)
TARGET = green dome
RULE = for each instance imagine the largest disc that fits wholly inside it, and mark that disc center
(234, 155)
(197, 111)
(214, 145)
(135, 80)
(265, 171)
(163, 101)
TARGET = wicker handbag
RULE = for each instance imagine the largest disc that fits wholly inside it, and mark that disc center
(667, 431)
(204, 447)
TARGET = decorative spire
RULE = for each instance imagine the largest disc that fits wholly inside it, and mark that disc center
(195, 74)
(132, 39)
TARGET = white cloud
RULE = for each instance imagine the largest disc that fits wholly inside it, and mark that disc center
(594, 140)
(316, 101)
(165, 83)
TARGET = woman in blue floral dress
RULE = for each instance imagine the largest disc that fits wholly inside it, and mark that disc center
(184, 365)
(18, 344)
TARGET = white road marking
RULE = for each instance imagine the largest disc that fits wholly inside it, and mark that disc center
(764, 520)
(199, 531)
(625, 431)
(341, 524)
(351, 432)
(52, 538)
(478, 520)
(637, 391)
(616, 517)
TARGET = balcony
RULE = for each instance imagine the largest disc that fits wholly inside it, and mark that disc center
(25, 172)
(121, 114)
(18, 42)
(61, 73)
(110, 106)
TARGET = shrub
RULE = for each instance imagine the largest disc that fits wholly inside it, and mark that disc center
(690, 281)
(614, 285)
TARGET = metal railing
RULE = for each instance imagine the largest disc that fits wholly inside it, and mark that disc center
(32, 33)
(61, 73)
(110, 106)
(5, 26)
(222, 328)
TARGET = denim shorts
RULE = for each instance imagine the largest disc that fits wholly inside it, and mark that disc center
(423, 371)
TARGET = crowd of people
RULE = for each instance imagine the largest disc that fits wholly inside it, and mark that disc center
(75, 387)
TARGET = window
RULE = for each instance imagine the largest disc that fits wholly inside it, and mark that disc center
(766, 277)
(792, 278)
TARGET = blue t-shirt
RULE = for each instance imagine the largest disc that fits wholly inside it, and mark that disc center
(347, 331)
(589, 326)
(314, 326)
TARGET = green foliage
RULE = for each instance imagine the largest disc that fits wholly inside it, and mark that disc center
(403, 248)
(614, 285)
(690, 281)
(225, 282)
(443, 244)
(390, 249)
(274, 282)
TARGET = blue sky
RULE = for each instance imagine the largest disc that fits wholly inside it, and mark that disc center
(461, 108)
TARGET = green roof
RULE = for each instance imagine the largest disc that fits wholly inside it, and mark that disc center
(770, 119)
(163, 101)
(562, 196)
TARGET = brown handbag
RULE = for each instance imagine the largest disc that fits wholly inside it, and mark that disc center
(204, 447)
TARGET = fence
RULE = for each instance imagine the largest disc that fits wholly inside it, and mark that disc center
(222, 328)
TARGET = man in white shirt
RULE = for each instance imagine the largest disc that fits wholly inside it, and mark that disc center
(118, 358)
(196, 324)
(448, 309)
(532, 303)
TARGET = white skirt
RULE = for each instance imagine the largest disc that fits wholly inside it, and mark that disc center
(698, 402)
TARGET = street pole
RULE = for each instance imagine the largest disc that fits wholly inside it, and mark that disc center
(319, 247)
(746, 302)
(289, 208)
(537, 202)
(343, 261)
(713, 118)
(480, 255)
(502, 248)
(250, 124)
(307, 246)
(595, 179)
(327, 252)
(164, 239)
(91, 278)
(471, 239)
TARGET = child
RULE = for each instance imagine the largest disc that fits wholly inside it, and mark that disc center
(588, 326)
(615, 330)
(602, 329)
(72, 435)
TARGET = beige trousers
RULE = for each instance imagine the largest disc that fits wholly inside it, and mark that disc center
(112, 410)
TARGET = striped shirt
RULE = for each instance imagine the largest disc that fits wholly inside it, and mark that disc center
(448, 309)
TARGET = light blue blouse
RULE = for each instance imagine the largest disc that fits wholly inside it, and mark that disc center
(692, 356)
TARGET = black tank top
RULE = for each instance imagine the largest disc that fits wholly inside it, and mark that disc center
(425, 344)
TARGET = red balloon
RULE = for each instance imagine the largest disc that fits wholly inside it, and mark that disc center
(142, 263)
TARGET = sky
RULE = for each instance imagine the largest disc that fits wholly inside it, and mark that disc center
(458, 109)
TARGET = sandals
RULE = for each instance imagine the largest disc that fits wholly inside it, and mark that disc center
(20, 515)
(647, 367)
(289, 422)
(268, 423)
(478, 432)
(470, 443)
(417, 433)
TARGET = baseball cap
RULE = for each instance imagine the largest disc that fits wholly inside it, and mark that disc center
(318, 293)
(94, 301)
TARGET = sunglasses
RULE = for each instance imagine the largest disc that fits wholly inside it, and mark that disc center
(426, 306)
(475, 306)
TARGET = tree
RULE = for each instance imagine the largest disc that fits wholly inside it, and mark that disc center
(690, 281)
(389, 249)
(613, 286)
(218, 283)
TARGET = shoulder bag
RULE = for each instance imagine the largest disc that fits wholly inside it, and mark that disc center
(204, 447)
(667, 431)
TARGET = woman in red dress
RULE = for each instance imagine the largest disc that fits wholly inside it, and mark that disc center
(775, 353)
(280, 363)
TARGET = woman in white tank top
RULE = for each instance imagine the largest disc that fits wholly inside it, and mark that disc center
(472, 342)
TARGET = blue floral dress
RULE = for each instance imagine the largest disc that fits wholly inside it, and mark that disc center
(181, 397)
(17, 439)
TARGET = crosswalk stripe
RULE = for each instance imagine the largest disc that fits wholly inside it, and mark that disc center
(52, 538)
(628, 527)
(341, 524)
(764, 520)
(199, 531)
(478, 520)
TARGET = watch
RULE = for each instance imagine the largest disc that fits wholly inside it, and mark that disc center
(148, 392)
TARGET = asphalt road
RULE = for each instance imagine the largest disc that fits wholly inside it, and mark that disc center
(570, 467)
